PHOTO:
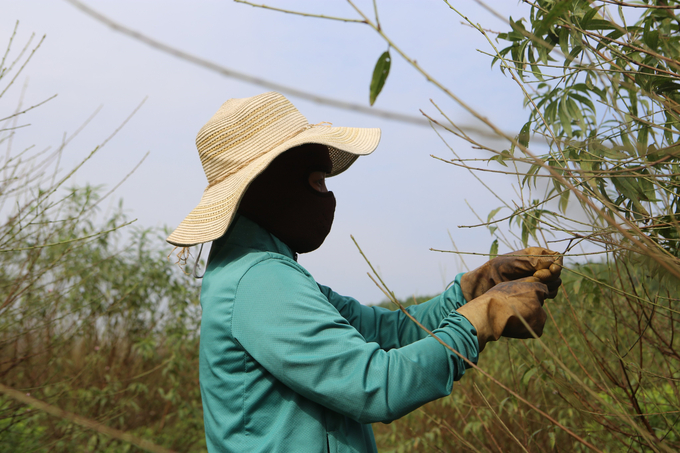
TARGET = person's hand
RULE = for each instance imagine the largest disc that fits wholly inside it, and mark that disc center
(499, 311)
(537, 262)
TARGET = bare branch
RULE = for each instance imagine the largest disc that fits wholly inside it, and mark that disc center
(298, 13)
(412, 119)
(82, 421)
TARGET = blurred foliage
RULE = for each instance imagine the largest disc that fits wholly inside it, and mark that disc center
(405, 302)
(93, 319)
(105, 328)
(608, 369)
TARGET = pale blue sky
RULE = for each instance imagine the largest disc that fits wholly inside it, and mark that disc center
(398, 203)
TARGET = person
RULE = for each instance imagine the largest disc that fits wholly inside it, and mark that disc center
(287, 364)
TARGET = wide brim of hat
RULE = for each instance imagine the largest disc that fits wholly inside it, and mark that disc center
(218, 205)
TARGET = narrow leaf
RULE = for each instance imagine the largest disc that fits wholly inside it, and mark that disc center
(590, 14)
(380, 73)
(493, 252)
(565, 118)
(564, 40)
(524, 134)
(564, 201)
(555, 12)
(493, 213)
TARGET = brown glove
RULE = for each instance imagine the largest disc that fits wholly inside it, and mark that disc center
(497, 312)
(538, 262)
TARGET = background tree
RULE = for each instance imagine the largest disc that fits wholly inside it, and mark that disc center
(97, 328)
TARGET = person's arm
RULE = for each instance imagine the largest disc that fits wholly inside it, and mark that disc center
(288, 326)
(393, 329)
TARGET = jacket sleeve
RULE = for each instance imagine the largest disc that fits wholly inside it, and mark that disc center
(393, 329)
(288, 326)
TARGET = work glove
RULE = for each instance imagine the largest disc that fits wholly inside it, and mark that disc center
(498, 312)
(538, 262)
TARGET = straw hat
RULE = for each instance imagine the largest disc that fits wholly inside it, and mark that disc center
(241, 140)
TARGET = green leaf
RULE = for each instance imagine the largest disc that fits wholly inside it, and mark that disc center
(528, 375)
(573, 54)
(493, 252)
(525, 234)
(500, 158)
(647, 189)
(602, 187)
(668, 133)
(575, 112)
(564, 40)
(667, 86)
(610, 153)
(530, 175)
(651, 38)
(583, 100)
(643, 136)
(555, 12)
(588, 16)
(601, 24)
(565, 118)
(524, 134)
(553, 440)
(380, 73)
(518, 30)
(493, 213)
(550, 112)
(506, 401)
(626, 187)
(564, 201)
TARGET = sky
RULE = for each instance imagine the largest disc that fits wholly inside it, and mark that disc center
(398, 203)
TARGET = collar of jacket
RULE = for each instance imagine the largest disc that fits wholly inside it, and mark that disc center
(245, 233)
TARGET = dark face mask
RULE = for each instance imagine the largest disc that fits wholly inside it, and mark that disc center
(282, 200)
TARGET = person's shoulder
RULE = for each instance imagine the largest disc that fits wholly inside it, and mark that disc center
(278, 280)
(241, 260)
(272, 264)
(256, 269)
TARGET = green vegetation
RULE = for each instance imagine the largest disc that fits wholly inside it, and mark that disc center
(106, 329)
(94, 320)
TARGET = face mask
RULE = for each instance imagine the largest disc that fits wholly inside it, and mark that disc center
(282, 201)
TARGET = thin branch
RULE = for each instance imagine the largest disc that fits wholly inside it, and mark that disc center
(299, 13)
(26, 110)
(68, 241)
(82, 421)
(120, 183)
(412, 119)
(473, 365)
(375, 10)
(634, 5)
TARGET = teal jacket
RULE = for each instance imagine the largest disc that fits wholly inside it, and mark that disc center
(288, 365)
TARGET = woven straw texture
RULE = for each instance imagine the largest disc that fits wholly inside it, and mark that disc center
(241, 140)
